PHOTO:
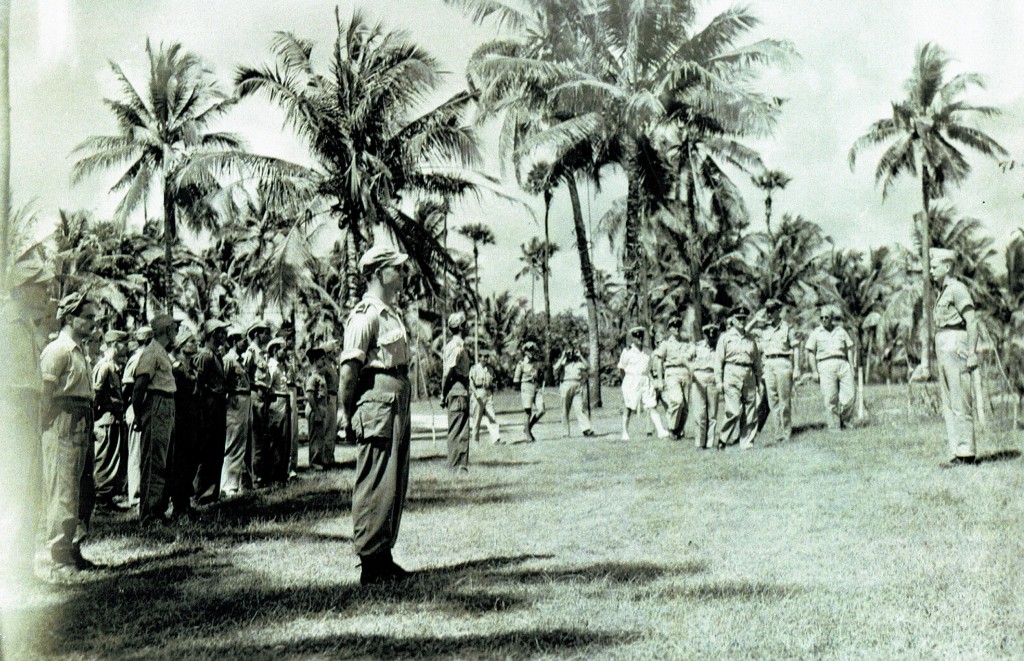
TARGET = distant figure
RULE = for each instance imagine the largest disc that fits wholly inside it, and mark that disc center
(481, 403)
(526, 376)
(142, 337)
(830, 352)
(574, 388)
(255, 362)
(956, 348)
(455, 393)
(705, 390)
(317, 410)
(236, 475)
(277, 429)
(739, 365)
(672, 359)
(212, 385)
(777, 343)
(183, 456)
(637, 385)
(110, 469)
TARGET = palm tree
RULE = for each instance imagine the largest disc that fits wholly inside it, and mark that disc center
(768, 181)
(926, 133)
(371, 142)
(479, 234)
(165, 138)
(789, 265)
(535, 255)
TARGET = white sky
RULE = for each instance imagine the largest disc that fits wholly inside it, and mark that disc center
(855, 56)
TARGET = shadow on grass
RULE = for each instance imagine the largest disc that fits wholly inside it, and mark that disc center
(610, 572)
(1002, 455)
(502, 464)
(810, 426)
(719, 590)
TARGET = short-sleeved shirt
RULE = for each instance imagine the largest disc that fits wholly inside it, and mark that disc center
(65, 364)
(526, 372)
(236, 378)
(480, 376)
(574, 370)
(375, 335)
(704, 358)
(210, 376)
(673, 352)
(829, 344)
(255, 363)
(316, 388)
(737, 348)
(953, 301)
(777, 341)
(106, 382)
(455, 360)
(129, 367)
(278, 378)
(634, 361)
(330, 375)
(156, 363)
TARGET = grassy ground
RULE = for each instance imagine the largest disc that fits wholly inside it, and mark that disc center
(831, 546)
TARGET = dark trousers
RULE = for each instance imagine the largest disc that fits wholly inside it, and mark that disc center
(156, 422)
(211, 441)
(458, 430)
(184, 452)
(278, 440)
(110, 470)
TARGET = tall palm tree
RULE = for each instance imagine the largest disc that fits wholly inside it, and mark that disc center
(535, 255)
(480, 235)
(166, 140)
(789, 265)
(926, 133)
(768, 181)
(371, 141)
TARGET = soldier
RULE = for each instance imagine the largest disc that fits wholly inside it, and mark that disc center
(142, 337)
(153, 400)
(526, 376)
(777, 343)
(637, 386)
(23, 314)
(317, 408)
(183, 455)
(236, 476)
(375, 394)
(705, 388)
(67, 419)
(278, 443)
(481, 401)
(575, 395)
(455, 394)
(211, 384)
(956, 346)
(672, 360)
(255, 362)
(110, 468)
(830, 352)
(739, 370)
(330, 372)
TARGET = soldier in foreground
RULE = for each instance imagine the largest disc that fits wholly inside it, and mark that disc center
(672, 359)
(705, 389)
(526, 376)
(956, 346)
(375, 395)
(830, 352)
(455, 393)
(739, 365)
(777, 344)
(574, 389)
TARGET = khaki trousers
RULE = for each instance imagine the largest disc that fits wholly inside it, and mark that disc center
(955, 387)
(234, 475)
(381, 426)
(676, 395)
(837, 391)
(704, 408)
(778, 381)
(481, 405)
(65, 446)
(740, 393)
(458, 430)
(575, 399)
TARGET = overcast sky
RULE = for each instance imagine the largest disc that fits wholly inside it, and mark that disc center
(855, 56)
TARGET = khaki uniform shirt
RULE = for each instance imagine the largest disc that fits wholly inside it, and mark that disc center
(526, 372)
(480, 377)
(777, 341)
(255, 363)
(673, 352)
(156, 363)
(953, 301)
(737, 348)
(574, 370)
(236, 379)
(106, 382)
(375, 335)
(278, 379)
(705, 359)
(829, 344)
(19, 352)
(64, 364)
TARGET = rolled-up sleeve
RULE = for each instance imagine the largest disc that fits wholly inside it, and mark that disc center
(358, 335)
(53, 362)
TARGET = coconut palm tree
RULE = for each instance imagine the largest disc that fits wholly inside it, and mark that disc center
(535, 255)
(926, 134)
(768, 181)
(789, 266)
(480, 235)
(165, 138)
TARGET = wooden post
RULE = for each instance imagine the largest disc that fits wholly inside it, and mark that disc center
(860, 393)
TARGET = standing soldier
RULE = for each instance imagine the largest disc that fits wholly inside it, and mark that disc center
(236, 476)
(526, 375)
(455, 393)
(777, 344)
(330, 373)
(575, 396)
(956, 346)
(183, 456)
(67, 419)
(142, 337)
(22, 316)
(672, 364)
(375, 394)
(705, 389)
(210, 382)
(153, 399)
(830, 352)
(481, 401)
(637, 386)
(110, 468)
(739, 365)
(317, 408)
(255, 361)
(278, 443)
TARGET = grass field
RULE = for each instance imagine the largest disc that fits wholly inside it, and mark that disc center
(849, 545)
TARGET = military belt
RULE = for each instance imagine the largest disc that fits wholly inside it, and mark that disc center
(73, 403)
(739, 364)
(779, 355)
(958, 327)
(832, 358)
(397, 371)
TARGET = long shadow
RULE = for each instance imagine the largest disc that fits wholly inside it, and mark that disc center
(740, 590)
(611, 572)
(810, 426)
(1002, 455)
(503, 464)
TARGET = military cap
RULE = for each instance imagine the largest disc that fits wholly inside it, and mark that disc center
(257, 326)
(144, 334)
(529, 346)
(235, 331)
(184, 336)
(456, 320)
(675, 322)
(942, 255)
(315, 353)
(112, 336)
(70, 304)
(829, 311)
(773, 304)
(740, 311)
(162, 321)
(213, 325)
(709, 326)
(637, 330)
(379, 256)
(276, 342)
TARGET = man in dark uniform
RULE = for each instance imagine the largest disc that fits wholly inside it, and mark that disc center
(110, 468)
(210, 382)
(183, 455)
(455, 393)
(375, 395)
(317, 408)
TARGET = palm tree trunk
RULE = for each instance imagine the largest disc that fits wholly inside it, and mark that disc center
(631, 231)
(476, 303)
(768, 214)
(589, 293)
(5, 136)
(695, 296)
(351, 259)
(546, 273)
(926, 289)
(169, 232)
